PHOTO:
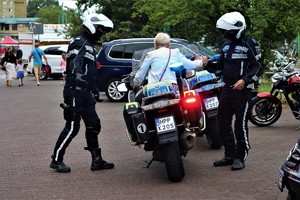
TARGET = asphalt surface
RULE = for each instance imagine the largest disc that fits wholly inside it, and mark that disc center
(31, 120)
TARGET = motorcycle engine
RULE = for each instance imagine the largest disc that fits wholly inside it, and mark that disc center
(296, 97)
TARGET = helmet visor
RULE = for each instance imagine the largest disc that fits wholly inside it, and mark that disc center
(103, 29)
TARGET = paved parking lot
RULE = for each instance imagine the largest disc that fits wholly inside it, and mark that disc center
(31, 120)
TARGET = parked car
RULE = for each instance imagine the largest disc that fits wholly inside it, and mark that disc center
(53, 54)
(115, 60)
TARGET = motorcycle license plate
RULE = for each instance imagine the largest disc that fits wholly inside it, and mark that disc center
(165, 124)
(211, 103)
(280, 178)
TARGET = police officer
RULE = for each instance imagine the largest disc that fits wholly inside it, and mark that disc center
(79, 101)
(240, 65)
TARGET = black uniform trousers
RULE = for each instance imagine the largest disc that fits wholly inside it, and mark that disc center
(83, 104)
(234, 103)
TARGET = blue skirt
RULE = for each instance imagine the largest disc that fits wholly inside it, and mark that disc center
(20, 74)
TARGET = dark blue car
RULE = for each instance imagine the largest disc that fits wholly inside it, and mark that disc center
(115, 61)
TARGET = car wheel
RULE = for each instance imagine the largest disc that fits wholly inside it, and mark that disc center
(112, 92)
(44, 75)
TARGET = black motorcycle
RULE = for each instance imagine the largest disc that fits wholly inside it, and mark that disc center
(208, 86)
(162, 122)
(289, 173)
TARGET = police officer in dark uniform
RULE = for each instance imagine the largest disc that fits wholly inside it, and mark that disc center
(79, 101)
(240, 65)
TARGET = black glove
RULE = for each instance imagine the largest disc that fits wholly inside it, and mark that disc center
(96, 94)
(80, 81)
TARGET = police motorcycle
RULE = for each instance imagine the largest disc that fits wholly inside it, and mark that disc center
(208, 86)
(163, 121)
(289, 173)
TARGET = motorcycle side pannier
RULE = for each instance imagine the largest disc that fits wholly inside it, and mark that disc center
(136, 122)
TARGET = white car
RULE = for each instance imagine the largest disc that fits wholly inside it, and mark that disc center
(53, 54)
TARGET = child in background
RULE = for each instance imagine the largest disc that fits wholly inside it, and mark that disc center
(20, 72)
(63, 65)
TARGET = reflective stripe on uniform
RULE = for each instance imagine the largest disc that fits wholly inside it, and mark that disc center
(89, 56)
(239, 56)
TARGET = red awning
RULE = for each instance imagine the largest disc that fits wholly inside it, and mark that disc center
(8, 40)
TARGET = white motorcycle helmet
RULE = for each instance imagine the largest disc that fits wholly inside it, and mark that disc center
(232, 21)
(93, 22)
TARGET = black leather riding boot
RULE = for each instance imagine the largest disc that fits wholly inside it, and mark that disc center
(97, 162)
(59, 166)
(223, 162)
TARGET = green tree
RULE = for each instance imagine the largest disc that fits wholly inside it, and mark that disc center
(270, 22)
(53, 15)
(34, 6)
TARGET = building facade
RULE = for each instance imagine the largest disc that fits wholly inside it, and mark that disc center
(13, 8)
(13, 18)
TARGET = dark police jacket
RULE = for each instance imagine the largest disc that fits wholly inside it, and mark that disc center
(81, 59)
(240, 60)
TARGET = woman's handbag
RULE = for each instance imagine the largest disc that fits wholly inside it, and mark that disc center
(3, 67)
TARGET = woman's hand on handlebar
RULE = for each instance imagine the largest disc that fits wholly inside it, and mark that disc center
(203, 59)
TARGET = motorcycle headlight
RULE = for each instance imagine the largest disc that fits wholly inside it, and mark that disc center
(276, 78)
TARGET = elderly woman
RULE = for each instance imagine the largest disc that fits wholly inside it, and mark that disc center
(9, 61)
(157, 62)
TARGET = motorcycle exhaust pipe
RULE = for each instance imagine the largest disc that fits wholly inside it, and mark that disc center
(188, 140)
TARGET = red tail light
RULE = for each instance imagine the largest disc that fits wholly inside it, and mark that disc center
(162, 110)
(99, 65)
(190, 100)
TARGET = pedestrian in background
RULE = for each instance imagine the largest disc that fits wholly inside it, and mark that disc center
(19, 53)
(37, 55)
(240, 65)
(9, 61)
(20, 72)
(63, 65)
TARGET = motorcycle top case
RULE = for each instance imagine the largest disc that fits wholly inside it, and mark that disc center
(136, 122)
(203, 76)
(157, 88)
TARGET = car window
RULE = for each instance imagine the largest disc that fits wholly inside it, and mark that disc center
(126, 50)
(117, 51)
(131, 48)
(184, 50)
(53, 51)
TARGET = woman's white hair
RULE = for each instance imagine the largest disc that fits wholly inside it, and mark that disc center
(162, 40)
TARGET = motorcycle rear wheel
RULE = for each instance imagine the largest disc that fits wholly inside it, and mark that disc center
(212, 133)
(173, 161)
(261, 115)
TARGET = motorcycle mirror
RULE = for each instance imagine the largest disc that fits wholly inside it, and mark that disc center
(122, 87)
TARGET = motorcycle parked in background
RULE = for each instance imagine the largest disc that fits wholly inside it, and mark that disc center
(266, 107)
(289, 173)
(160, 123)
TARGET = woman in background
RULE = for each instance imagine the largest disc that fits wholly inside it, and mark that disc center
(9, 61)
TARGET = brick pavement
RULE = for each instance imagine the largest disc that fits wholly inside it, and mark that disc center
(31, 120)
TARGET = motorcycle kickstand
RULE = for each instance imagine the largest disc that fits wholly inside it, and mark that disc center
(149, 163)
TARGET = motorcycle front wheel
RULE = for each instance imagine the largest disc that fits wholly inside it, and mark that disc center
(264, 111)
(173, 161)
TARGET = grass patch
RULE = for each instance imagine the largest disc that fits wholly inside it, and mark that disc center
(264, 87)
